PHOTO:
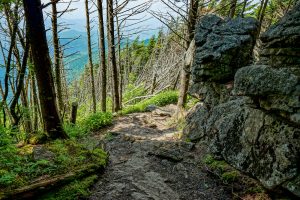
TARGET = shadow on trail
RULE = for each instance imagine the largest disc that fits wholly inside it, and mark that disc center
(149, 162)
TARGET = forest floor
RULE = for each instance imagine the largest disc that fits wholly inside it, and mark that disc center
(149, 161)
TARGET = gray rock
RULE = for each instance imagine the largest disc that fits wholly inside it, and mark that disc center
(196, 119)
(42, 153)
(151, 108)
(171, 151)
(254, 142)
(293, 186)
(281, 42)
(222, 46)
(254, 123)
(262, 80)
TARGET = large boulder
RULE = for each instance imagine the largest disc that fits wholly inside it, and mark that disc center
(222, 47)
(281, 43)
(275, 90)
(255, 142)
(249, 115)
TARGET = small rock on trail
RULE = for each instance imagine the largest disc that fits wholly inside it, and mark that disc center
(148, 162)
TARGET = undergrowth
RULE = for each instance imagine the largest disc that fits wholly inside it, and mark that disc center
(241, 185)
(161, 99)
(19, 167)
(74, 190)
(89, 124)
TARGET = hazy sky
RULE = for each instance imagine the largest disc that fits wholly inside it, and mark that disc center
(77, 17)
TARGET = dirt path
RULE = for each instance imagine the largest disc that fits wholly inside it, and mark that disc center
(148, 162)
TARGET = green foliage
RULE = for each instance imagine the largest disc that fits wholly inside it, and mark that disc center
(276, 9)
(91, 123)
(241, 184)
(219, 165)
(230, 176)
(132, 92)
(162, 99)
(5, 137)
(191, 102)
(96, 121)
(18, 166)
(76, 190)
(109, 136)
(222, 7)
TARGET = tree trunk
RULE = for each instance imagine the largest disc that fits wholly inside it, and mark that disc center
(57, 65)
(103, 70)
(185, 75)
(232, 8)
(112, 54)
(88, 29)
(20, 86)
(263, 11)
(120, 66)
(42, 67)
(73, 113)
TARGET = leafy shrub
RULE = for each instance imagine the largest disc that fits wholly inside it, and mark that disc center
(162, 99)
(91, 123)
(97, 121)
(18, 169)
(5, 138)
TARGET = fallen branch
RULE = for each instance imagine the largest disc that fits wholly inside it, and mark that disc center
(40, 186)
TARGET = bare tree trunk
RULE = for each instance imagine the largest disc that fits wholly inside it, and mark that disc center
(20, 86)
(57, 65)
(103, 69)
(42, 66)
(185, 75)
(13, 34)
(112, 54)
(232, 8)
(120, 66)
(88, 28)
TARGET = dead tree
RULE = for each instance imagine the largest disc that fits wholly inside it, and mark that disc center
(102, 57)
(112, 54)
(90, 56)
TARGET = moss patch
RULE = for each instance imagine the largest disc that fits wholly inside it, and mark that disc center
(241, 185)
(19, 168)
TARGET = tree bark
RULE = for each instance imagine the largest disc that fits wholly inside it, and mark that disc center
(57, 65)
(73, 113)
(90, 55)
(112, 54)
(185, 75)
(103, 70)
(42, 67)
(232, 8)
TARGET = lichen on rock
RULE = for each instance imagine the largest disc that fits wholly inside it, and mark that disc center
(250, 113)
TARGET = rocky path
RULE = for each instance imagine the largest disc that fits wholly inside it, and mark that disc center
(149, 162)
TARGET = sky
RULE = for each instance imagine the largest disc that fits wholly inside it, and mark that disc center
(77, 18)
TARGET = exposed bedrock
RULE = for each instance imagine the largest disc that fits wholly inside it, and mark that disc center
(250, 113)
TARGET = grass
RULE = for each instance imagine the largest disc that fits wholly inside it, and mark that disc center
(18, 166)
(86, 126)
(162, 99)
